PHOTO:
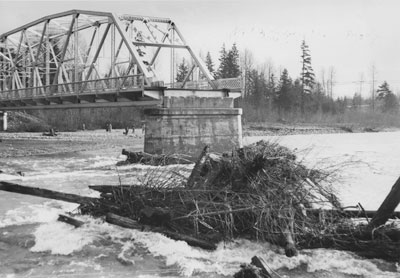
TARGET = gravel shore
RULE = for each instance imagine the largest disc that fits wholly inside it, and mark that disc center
(35, 143)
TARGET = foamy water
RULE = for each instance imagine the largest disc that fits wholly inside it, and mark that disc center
(34, 244)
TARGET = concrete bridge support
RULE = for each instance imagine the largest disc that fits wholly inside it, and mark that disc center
(3, 121)
(186, 124)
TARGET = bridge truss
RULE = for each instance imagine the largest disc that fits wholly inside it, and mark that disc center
(87, 57)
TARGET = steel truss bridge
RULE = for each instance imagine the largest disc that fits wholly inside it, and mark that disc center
(86, 58)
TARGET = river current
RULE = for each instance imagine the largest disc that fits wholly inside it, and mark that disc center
(34, 244)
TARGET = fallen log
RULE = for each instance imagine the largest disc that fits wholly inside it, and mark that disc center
(45, 193)
(347, 213)
(109, 188)
(288, 233)
(154, 159)
(69, 220)
(387, 207)
(201, 160)
(132, 224)
(257, 262)
(255, 269)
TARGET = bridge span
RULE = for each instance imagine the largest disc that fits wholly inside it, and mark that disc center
(81, 58)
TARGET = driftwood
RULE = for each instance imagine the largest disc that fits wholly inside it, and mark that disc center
(52, 132)
(198, 167)
(347, 213)
(111, 218)
(109, 188)
(255, 269)
(69, 220)
(229, 190)
(45, 193)
(387, 207)
(132, 224)
(257, 262)
(154, 159)
(288, 233)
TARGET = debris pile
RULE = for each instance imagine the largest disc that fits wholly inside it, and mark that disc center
(258, 192)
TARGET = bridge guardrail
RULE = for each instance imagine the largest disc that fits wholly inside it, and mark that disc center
(234, 84)
(97, 86)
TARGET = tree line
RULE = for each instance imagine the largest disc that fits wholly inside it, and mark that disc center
(266, 95)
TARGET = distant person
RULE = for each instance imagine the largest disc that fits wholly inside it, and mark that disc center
(108, 127)
(83, 127)
(126, 131)
(133, 129)
(143, 127)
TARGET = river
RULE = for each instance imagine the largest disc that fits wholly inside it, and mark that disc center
(34, 244)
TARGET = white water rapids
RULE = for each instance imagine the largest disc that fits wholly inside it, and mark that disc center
(34, 244)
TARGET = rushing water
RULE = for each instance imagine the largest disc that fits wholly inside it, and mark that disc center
(34, 244)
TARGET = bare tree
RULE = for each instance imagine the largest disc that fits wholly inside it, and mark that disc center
(323, 81)
(331, 80)
(246, 64)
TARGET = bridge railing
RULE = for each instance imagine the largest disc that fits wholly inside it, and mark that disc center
(92, 87)
(234, 84)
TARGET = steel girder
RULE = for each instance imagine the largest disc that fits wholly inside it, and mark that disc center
(78, 52)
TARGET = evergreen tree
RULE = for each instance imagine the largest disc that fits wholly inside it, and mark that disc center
(233, 62)
(307, 73)
(223, 67)
(390, 103)
(229, 63)
(283, 95)
(209, 63)
(183, 70)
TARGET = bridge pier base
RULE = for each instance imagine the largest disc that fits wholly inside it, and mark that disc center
(3, 121)
(186, 124)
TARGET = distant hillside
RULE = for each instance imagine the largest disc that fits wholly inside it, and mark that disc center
(21, 121)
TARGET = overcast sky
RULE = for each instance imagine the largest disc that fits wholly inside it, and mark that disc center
(349, 35)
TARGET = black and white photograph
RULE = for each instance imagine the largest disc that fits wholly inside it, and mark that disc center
(209, 139)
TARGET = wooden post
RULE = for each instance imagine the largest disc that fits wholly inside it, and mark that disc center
(387, 207)
(45, 193)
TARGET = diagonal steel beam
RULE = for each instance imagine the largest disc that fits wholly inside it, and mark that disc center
(134, 52)
(96, 55)
(64, 49)
(159, 48)
(35, 65)
(198, 61)
(187, 76)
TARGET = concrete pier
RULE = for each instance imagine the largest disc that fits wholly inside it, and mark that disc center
(186, 124)
(3, 121)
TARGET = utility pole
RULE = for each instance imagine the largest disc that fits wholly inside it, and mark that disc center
(373, 69)
(361, 83)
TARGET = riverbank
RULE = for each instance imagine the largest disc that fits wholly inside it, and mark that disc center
(35, 143)
(281, 129)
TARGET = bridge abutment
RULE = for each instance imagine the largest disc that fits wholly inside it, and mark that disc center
(3, 121)
(186, 124)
